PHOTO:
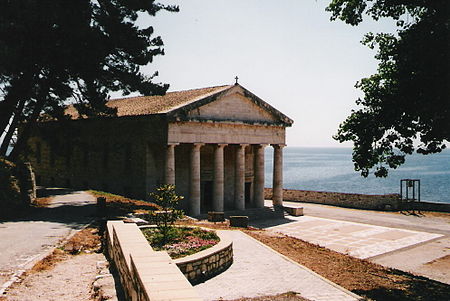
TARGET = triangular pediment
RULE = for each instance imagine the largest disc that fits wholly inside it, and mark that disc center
(235, 104)
(234, 107)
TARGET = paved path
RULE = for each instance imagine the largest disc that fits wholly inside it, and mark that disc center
(26, 240)
(355, 239)
(259, 271)
(416, 244)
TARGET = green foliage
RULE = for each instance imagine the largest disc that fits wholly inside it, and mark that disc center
(166, 197)
(156, 237)
(181, 241)
(52, 52)
(406, 104)
(9, 185)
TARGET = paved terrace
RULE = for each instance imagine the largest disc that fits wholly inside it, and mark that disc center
(259, 271)
(416, 244)
(355, 239)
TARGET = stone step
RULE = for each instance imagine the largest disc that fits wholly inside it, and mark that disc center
(252, 213)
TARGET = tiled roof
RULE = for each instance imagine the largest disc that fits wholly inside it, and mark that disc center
(145, 105)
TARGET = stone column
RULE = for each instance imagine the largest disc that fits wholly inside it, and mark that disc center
(170, 164)
(218, 178)
(239, 185)
(258, 193)
(194, 197)
(277, 184)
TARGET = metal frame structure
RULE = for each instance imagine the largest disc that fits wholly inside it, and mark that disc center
(411, 186)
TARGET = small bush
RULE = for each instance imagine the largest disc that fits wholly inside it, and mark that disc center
(9, 185)
(166, 197)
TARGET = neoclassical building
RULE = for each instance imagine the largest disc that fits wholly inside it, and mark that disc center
(208, 142)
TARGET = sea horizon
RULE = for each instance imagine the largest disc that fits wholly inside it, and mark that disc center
(331, 169)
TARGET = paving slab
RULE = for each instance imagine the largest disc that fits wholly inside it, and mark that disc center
(355, 239)
(429, 258)
(258, 271)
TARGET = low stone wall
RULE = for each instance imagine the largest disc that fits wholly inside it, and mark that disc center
(207, 263)
(145, 274)
(426, 206)
(351, 200)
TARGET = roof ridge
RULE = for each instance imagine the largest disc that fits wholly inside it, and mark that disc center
(179, 91)
(220, 86)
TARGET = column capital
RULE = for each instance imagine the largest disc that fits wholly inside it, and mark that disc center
(262, 145)
(281, 145)
(173, 144)
(243, 144)
(197, 144)
(220, 145)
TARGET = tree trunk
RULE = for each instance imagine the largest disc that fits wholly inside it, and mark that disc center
(20, 88)
(7, 139)
(25, 134)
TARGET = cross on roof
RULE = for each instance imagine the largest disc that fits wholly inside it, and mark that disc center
(236, 78)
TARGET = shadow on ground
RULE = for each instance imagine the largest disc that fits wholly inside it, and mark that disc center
(43, 192)
(261, 223)
(418, 288)
(72, 214)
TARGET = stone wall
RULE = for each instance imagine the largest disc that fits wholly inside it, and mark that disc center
(208, 263)
(426, 206)
(111, 154)
(146, 275)
(351, 200)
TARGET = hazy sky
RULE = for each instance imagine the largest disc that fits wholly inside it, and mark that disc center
(287, 52)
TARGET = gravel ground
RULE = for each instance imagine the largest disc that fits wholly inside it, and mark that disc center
(69, 280)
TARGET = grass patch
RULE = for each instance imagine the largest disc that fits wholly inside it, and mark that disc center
(87, 240)
(120, 205)
(42, 202)
(49, 261)
(181, 241)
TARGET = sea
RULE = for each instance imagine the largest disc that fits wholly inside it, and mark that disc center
(331, 169)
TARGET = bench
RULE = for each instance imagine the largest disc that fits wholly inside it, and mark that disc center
(239, 221)
(216, 216)
(294, 211)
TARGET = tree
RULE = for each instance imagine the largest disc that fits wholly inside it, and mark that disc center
(52, 52)
(166, 197)
(406, 104)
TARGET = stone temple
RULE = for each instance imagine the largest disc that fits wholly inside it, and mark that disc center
(208, 142)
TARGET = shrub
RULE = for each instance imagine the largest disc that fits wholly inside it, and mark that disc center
(181, 241)
(168, 200)
(9, 185)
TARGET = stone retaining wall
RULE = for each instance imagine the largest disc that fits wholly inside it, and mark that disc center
(207, 263)
(426, 206)
(351, 200)
(145, 274)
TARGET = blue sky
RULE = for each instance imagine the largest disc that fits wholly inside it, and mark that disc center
(287, 52)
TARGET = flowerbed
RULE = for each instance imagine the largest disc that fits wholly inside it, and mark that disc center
(182, 241)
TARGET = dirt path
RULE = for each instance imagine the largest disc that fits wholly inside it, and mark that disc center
(69, 280)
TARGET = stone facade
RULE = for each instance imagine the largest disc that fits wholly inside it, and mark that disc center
(208, 142)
